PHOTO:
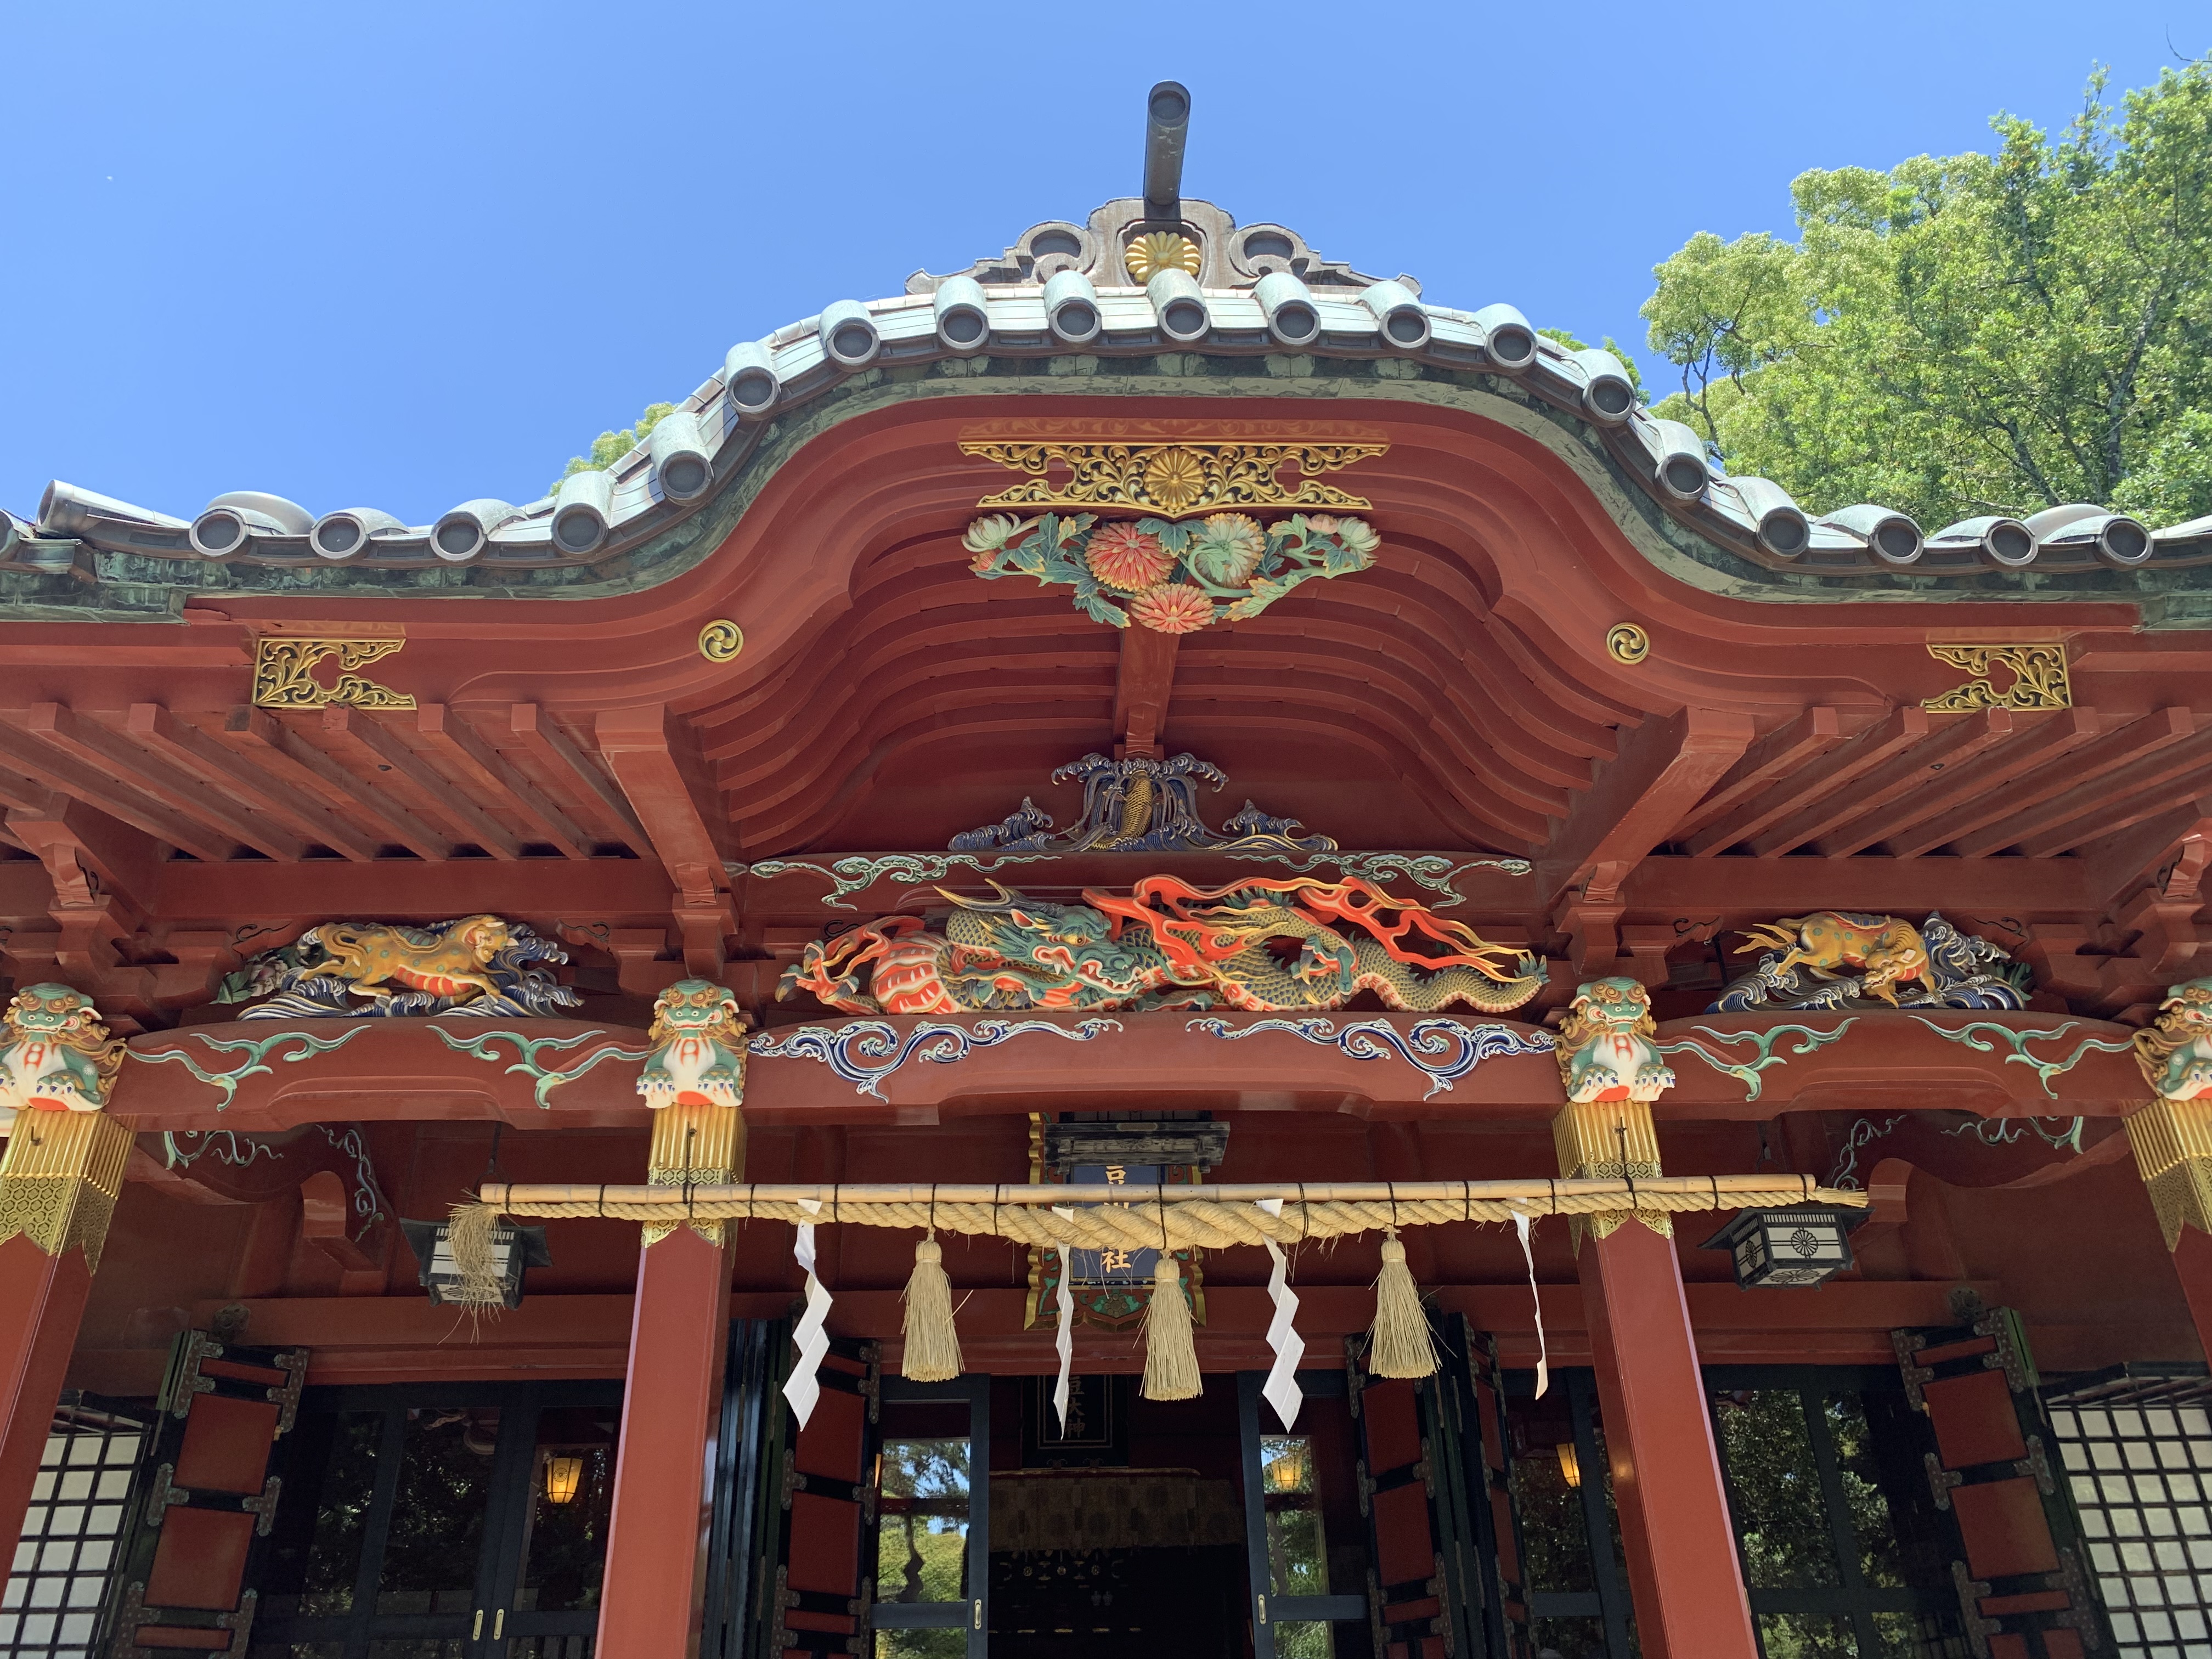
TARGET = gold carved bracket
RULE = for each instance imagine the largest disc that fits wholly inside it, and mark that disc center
(283, 675)
(1175, 478)
(1610, 1140)
(60, 1178)
(2038, 677)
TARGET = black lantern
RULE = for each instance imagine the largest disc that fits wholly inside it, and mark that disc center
(1778, 1248)
(512, 1250)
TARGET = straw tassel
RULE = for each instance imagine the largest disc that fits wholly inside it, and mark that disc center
(1170, 1352)
(932, 1346)
(469, 1231)
(1398, 1343)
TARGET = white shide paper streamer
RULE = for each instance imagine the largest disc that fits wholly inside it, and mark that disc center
(1064, 1344)
(1543, 1366)
(803, 1389)
(1281, 1388)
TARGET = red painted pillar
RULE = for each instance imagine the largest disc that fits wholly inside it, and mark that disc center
(655, 1582)
(1682, 1568)
(42, 1299)
(2192, 1260)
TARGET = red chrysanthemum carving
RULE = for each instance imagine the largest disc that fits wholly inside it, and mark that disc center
(1172, 608)
(1127, 558)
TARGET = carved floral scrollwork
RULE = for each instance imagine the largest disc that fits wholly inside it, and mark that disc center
(283, 676)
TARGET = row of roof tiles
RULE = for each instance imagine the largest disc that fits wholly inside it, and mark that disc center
(596, 513)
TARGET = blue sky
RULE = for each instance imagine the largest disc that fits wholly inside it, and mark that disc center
(399, 255)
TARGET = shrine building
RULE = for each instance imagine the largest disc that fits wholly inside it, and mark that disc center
(1157, 950)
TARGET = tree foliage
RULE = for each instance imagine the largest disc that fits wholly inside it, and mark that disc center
(1971, 334)
(611, 447)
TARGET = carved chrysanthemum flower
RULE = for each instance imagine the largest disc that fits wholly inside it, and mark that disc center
(1160, 250)
(1172, 608)
(1357, 537)
(990, 533)
(1174, 479)
(1127, 558)
(1226, 548)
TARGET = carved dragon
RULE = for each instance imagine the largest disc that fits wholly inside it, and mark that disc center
(1293, 944)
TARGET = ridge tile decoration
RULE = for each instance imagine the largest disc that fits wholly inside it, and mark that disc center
(283, 676)
(56, 1055)
(1171, 577)
(864, 1052)
(2037, 678)
(2171, 1137)
(1266, 945)
(483, 967)
(1140, 805)
(1609, 1045)
(1446, 1050)
(1808, 967)
(1176, 477)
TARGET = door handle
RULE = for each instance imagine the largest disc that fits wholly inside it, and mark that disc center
(498, 1623)
(977, 1606)
(476, 1631)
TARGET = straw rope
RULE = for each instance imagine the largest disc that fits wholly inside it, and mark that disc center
(1137, 1217)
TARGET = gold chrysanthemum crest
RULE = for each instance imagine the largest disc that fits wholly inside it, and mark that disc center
(1158, 251)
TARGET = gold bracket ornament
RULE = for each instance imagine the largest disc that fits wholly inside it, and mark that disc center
(2038, 671)
(60, 1178)
(1615, 1140)
(1177, 478)
(283, 673)
(722, 640)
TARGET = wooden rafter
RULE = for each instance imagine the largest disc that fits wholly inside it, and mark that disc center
(380, 748)
(62, 771)
(2179, 842)
(276, 746)
(1924, 774)
(2132, 757)
(227, 824)
(192, 750)
(2118, 801)
(450, 736)
(1766, 763)
(1795, 794)
(1664, 769)
(589, 788)
(2003, 782)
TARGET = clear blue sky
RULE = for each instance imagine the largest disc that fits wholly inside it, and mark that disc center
(398, 255)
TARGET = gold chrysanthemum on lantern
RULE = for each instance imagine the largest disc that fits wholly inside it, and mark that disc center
(1161, 250)
(1127, 558)
(1174, 479)
(1225, 549)
(1172, 608)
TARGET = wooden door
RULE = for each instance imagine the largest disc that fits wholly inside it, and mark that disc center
(816, 1596)
(2022, 1582)
(211, 1500)
(1480, 1454)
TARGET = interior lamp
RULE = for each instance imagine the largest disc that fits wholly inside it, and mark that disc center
(1571, 1469)
(1792, 1247)
(563, 1475)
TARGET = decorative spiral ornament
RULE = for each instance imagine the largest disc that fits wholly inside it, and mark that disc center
(1626, 642)
(722, 640)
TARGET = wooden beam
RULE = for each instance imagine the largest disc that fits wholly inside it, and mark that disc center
(90, 741)
(534, 730)
(1664, 769)
(637, 745)
(1923, 770)
(1143, 685)
(1767, 762)
(2122, 799)
(2138, 745)
(450, 736)
(61, 772)
(2023, 772)
(2176, 843)
(194, 751)
(275, 745)
(1832, 772)
(384, 747)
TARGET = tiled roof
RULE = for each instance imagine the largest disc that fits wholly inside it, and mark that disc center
(1062, 292)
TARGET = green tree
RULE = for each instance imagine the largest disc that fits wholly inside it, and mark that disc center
(1972, 333)
(1566, 337)
(611, 447)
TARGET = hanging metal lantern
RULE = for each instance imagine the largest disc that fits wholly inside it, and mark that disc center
(1783, 1248)
(512, 1250)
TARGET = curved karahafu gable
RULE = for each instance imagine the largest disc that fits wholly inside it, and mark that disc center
(1113, 309)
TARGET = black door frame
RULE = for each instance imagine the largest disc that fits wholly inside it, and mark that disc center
(974, 1614)
(492, 1620)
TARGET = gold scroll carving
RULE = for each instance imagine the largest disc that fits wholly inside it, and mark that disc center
(1175, 478)
(60, 1178)
(2038, 677)
(1609, 1140)
(283, 673)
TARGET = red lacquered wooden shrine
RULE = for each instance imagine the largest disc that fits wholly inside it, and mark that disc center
(1606, 817)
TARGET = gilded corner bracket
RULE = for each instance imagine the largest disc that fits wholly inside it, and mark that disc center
(2035, 676)
(60, 1179)
(283, 673)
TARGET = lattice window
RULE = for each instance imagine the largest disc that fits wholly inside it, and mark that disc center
(2142, 1476)
(51, 1603)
